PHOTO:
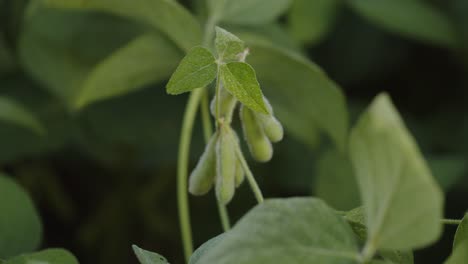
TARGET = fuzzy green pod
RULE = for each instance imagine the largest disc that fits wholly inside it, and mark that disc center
(272, 127)
(202, 177)
(225, 165)
(226, 106)
(259, 145)
(240, 175)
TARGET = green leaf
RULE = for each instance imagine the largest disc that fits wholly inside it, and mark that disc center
(165, 15)
(398, 257)
(48, 256)
(403, 204)
(239, 79)
(462, 232)
(147, 59)
(303, 90)
(14, 113)
(412, 18)
(228, 46)
(20, 226)
(310, 21)
(459, 255)
(295, 230)
(335, 182)
(248, 12)
(147, 257)
(206, 247)
(196, 70)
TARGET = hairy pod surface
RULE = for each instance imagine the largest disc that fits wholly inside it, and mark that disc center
(202, 177)
(259, 145)
(272, 127)
(225, 165)
(227, 105)
(240, 175)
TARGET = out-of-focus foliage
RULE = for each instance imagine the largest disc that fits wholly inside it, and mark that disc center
(87, 128)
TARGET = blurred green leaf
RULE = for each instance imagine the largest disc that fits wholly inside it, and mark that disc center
(14, 113)
(48, 256)
(206, 247)
(228, 46)
(196, 70)
(165, 15)
(397, 188)
(462, 232)
(335, 182)
(411, 18)
(295, 230)
(459, 254)
(147, 257)
(239, 79)
(147, 59)
(6, 58)
(20, 226)
(300, 87)
(310, 21)
(248, 12)
(447, 169)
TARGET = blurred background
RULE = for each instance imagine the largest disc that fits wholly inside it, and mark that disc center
(103, 177)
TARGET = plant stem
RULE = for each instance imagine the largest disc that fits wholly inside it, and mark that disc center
(253, 184)
(205, 114)
(451, 221)
(182, 170)
(224, 216)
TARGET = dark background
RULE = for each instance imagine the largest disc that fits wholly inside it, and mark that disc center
(104, 178)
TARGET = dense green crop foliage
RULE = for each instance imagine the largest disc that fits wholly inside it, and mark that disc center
(84, 80)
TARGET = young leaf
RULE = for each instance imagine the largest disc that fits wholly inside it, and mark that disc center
(169, 17)
(397, 188)
(146, 59)
(459, 254)
(16, 114)
(462, 232)
(48, 256)
(240, 80)
(248, 12)
(415, 19)
(228, 46)
(295, 230)
(196, 70)
(309, 21)
(147, 257)
(299, 90)
(20, 226)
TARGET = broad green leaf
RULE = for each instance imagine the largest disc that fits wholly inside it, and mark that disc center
(335, 182)
(20, 226)
(203, 249)
(165, 15)
(48, 256)
(147, 257)
(462, 232)
(356, 218)
(240, 79)
(295, 230)
(412, 18)
(196, 70)
(403, 204)
(110, 59)
(310, 21)
(459, 254)
(248, 12)
(300, 87)
(147, 59)
(228, 46)
(14, 113)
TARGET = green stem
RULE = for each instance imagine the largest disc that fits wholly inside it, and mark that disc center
(253, 184)
(206, 119)
(182, 170)
(451, 221)
(224, 216)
